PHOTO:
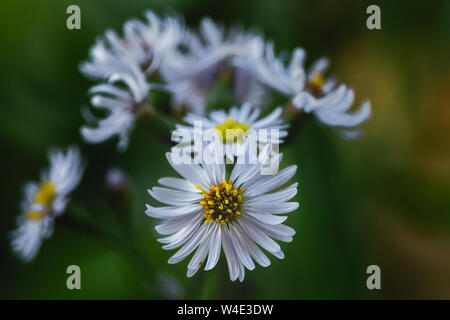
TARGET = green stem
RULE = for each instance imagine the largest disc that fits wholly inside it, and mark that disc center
(297, 119)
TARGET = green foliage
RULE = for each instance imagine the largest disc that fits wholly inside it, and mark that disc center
(345, 187)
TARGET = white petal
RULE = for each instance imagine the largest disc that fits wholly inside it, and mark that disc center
(177, 183)
(253, 249)
(260, 238)
(270, 207)
(268, 120)
(240, 248)
(199, 256)
(190, 245)
(269, 183)
(173, 225)
(279, 254)
(172, 211)
(267, 218)
(279, 231)
(214, 249)
(279, 196)
(182, 236)
(174, 197)
(232, 259)
(192, 172)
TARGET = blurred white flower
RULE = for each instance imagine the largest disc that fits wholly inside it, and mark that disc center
(238, 129)
(143, 46)
(271, 70)
(210, 55)
(312, 92)
(125, 64)
(331, 104)
(46, 200)
(122, 104)
(210, 210)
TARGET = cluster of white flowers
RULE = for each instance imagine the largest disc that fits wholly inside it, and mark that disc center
(163, 54)
(212, 207)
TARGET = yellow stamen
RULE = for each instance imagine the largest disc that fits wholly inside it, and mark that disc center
(45, 194)
(318, 80)
(231, 130)
(221, 203)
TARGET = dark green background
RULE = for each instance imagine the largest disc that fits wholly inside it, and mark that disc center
(384, 199)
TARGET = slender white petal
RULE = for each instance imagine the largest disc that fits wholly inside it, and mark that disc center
(177, 183)
(172, 211)
(269, 183)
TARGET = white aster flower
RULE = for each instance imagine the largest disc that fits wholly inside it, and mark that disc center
(210, 210)
(238, 129)
(143, 46)
(122, 104)
(331, 104)
(210, 55)
(130, 60)
(312, 92)
(271, 70)
(44, 201)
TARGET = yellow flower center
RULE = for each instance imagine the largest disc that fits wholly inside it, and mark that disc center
(314, 86)
(36, 215)
(222, 202)
(44, 196)
(318, 80)
(231, 130)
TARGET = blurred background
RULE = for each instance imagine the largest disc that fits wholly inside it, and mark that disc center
(383, 199)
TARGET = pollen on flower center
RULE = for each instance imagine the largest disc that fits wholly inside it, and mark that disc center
(222, 202)
(44, 196)
(316, 83)
(237, 130)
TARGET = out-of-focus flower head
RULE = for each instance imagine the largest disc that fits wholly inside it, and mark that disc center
(143, 45)
(123, 104)
(46, 200)
(125, 65)
(312, 92)
(210, 55)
